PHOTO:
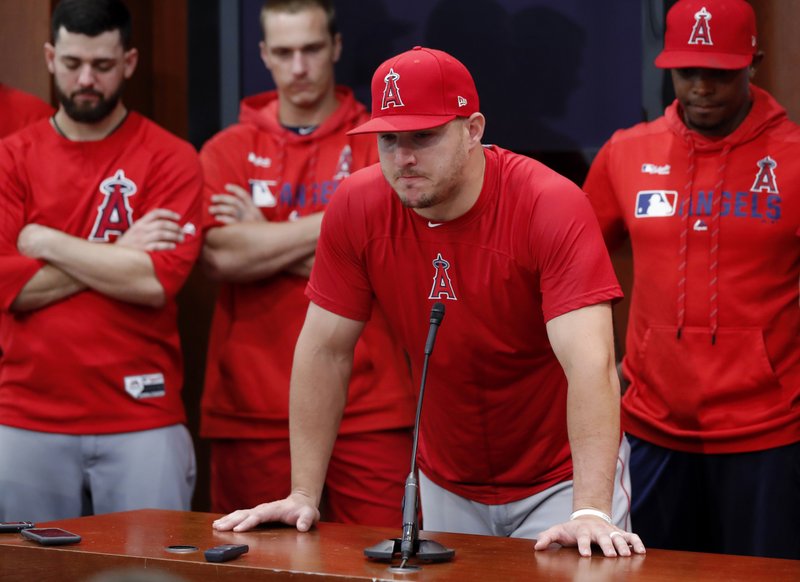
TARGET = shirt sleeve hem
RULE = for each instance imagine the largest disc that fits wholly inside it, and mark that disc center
(328, 304)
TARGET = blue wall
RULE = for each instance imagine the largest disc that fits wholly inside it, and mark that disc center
(553, 75)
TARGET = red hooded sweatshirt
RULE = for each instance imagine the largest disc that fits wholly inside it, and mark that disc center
(256, 325)
(712, 355)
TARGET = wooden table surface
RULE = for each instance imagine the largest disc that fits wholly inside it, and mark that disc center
(335, 552)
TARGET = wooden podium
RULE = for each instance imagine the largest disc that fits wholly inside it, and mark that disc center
(139, 539)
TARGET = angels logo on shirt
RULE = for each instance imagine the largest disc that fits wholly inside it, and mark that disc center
(114, 215)
(701, 33)
(442, 285)
(391, 92)
(655, 203)
(344, 164)
(765, 178)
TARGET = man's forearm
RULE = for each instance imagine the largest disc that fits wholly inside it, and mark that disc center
(582, 341)
(302, 268)
(323, 360)
(317, 399)
(593, 425)
(47, 286)
(249, 251)
(119, 272)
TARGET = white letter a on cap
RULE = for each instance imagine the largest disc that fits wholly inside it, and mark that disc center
(391, 92)
(701, 33)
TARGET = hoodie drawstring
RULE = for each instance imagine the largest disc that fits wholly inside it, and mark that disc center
(713, 242)
(683, 240)
(713, 246)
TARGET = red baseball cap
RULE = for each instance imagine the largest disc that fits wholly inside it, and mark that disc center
(419, 89)
(711, 34)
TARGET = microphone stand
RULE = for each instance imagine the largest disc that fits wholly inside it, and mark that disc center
(410, 544)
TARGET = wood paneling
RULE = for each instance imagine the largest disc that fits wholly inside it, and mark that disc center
(170, 65)
(158, 88)
(778, 38)
(24, 28)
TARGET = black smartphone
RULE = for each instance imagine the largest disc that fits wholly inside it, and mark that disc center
(225, 552)
(15, 526)
(51, 536)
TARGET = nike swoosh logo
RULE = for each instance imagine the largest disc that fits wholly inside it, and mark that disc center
(434, 224)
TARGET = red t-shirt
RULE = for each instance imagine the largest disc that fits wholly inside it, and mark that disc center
(731, 381)
(91, 364)
(18, 109)
(256, 325)
(493, 425)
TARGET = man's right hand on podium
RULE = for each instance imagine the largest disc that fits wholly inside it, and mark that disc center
(298, 509)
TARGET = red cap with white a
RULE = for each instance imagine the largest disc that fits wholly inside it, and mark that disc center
(710, 34)
(419, 89)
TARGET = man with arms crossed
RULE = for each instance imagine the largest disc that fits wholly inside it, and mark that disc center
(268, 180)
(97, 236)
(524, 368)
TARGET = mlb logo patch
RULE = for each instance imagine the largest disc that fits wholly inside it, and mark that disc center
(652, 203)
(261, 193)
(145, 385)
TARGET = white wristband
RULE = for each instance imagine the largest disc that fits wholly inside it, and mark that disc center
(592, 512)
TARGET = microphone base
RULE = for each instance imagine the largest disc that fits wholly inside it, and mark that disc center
(424, 551)
(407, 569)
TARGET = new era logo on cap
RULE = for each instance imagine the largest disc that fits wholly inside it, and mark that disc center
(419, 89)
(713, 34)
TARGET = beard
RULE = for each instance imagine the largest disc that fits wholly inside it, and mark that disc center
(88, 112)
(440, 190)
(423, 200)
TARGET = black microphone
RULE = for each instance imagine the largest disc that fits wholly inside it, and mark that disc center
(410, 544)
(437, 315)
(410, 530)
